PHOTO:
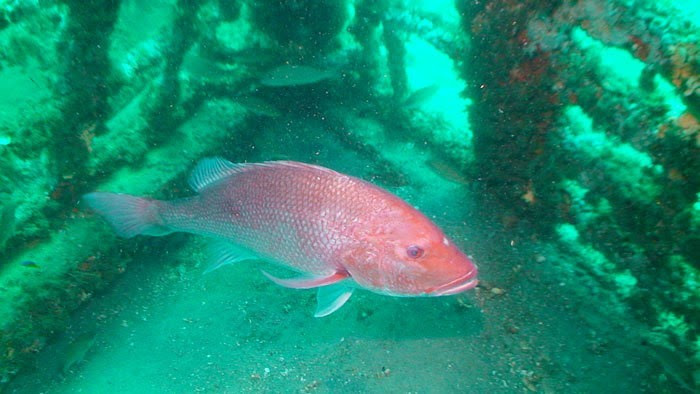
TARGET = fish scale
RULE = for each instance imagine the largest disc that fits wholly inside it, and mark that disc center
(340, 232)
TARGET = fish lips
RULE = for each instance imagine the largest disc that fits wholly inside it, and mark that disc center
(463, 283)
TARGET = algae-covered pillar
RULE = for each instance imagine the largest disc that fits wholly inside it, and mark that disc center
(85, 86)
(585, 123)
(510, 80)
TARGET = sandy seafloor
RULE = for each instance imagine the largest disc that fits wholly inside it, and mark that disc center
(166, 328)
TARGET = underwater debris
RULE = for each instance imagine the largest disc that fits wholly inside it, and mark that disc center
(683, 61)
(690, 126)
(291, 75)
(529, 195)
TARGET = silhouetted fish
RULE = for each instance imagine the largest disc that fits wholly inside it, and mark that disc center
(447, 171)
(419, 96)
(76, 351)
(30, 264)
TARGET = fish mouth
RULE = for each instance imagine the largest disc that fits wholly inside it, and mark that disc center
(463, 283)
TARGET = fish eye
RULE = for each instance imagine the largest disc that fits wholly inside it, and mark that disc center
(414, 251)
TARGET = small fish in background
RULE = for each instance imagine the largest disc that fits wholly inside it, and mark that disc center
(201, 67)
(419, 96)
(252, 56)
(338, 231)
(447, 171)
(218, 68)
(30, 264)
(291, 75)
(7, 223)
(258, 106)
(76, 351)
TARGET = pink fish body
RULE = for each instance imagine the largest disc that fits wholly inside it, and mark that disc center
(338, 231)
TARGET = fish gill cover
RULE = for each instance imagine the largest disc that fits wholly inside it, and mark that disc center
(555, 142)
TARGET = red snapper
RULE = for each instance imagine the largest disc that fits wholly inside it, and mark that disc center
(338, 231)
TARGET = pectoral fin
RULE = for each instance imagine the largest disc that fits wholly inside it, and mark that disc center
(308, 282)
(222, 253)
(330, 298)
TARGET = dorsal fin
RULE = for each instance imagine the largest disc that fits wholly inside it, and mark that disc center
(210, 170)
(213, 169)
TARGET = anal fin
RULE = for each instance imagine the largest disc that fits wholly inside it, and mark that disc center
(308, 282)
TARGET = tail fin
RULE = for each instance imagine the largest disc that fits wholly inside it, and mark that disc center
(128, 215)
